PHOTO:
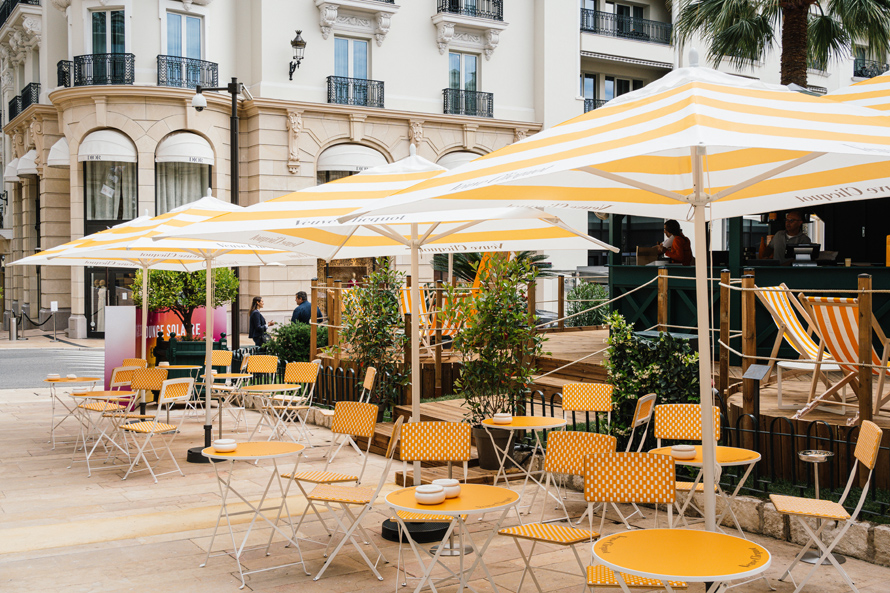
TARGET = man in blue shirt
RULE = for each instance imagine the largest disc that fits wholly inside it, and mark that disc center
(303, 312)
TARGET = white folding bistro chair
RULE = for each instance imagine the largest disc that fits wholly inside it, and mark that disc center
(173, 391)
(825, 512)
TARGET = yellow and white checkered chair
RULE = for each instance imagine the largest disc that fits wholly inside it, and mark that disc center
(628, 478)
(825, 511)
(547, 533)
(173, 391)
(587, 397)
(292, 409)
(145, 381)
(140, 363)
(354, 496)
(365, 394)
(642, 417)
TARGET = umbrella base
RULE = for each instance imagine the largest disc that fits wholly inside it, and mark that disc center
(194, 456)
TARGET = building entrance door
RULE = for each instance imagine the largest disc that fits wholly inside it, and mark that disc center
(106, 287)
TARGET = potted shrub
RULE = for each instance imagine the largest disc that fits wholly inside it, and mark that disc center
(372, 333)
(498, 346)
(290, 341)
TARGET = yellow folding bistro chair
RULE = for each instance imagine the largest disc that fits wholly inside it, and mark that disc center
(364, 395)
(642, 417)
(135, 362)
(221, 392)
(173, 391)
(682, 422)
(588, 397)
(357, 496)
(290, 409)
(629, 478)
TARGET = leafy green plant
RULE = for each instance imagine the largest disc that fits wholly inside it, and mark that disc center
(584, 296)
(372, 331)
(498, 343)
(183, 292)
(637, 366)
(466, 264)
(290, 341)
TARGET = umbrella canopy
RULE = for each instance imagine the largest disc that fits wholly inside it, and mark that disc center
(873, 93)
(131, 244)
(695, 144)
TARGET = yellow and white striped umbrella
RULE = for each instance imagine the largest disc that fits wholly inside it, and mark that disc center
(696, 144)
(873, 93)
(307, 221)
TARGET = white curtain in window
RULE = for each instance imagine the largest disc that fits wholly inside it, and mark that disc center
(110, 190)
(177, 184)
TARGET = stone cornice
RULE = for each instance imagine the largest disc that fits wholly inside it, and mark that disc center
(23, 119)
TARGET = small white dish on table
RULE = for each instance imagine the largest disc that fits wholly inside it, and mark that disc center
(429, 494)
(683, 451)
(502, 418)
(224, 445)
(72, 376)
(163, 363)
(53, 377)
(450, 485)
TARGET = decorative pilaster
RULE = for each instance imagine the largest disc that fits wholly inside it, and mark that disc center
(294, 128)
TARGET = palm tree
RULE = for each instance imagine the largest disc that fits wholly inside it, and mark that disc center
(465, 264)
(745, 30)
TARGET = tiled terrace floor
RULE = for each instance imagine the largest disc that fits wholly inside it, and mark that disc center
(63, 531)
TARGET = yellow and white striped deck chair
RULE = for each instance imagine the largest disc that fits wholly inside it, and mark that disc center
(173, 391)
(629, 478)
(826, 512)
(425, 318)
(289, 409)
(784, 308)
(354, 496)
(837, 320)
(587, 397)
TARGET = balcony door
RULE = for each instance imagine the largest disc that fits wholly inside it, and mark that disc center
(351, 61)
(107, 38)
(629, 19)
(463, 74)
(183, 41)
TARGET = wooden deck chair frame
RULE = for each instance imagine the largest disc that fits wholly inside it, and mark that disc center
(784, 309)
(350, 522)
(173, 391)
(826, 512)
(844, 351)
(628, 478)
(427, 324)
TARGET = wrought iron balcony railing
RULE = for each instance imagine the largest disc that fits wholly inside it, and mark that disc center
(458, 102)
(97, 69)
(186, 73)
(606, 23)
(483, 9)
(15, 107)
(9, 5)
(591, 104)
(868, 68)
(30, 95)
(355, 91)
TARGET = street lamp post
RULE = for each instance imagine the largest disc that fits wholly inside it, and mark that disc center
(199, 102)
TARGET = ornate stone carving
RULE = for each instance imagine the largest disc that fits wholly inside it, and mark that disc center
(415, 135)
(492, 37)
(444, 35)
(36, 139)
(520, 134)
(353, 20)
(327, 17)
(384, 20)
(61, 5)
(32, 29)
(294, 127)
(6, 81)
(187, 4)
(18, 143)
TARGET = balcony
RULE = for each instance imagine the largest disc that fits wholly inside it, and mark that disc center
(591, 104)
(483, 9)
(30, 95)
(868, 68)
(186, 73)
(9, 5)
(458, 102)
(355, 91)
(626, 27)
(96, 69)
(15, 107)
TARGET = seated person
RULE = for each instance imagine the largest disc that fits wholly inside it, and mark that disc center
(680, 249)
(794, 234)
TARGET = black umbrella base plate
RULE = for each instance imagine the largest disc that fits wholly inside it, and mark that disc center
(194, 456)
(421, 533)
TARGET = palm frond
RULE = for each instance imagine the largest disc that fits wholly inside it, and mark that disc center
(866, 20)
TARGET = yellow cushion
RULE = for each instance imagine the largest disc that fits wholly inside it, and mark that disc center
(551, 533)
(101, 407)
(345, 494)
(147, 427)
(809, 507)
(127, 416)
(600, 576)
(320, 477)
(687, 486)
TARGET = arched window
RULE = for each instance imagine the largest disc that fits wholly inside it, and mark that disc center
(344, 160)
(183, 164)
(109, 179)
(452, 160)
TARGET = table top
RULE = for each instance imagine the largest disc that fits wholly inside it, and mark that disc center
(527, 423)
(104, 394)
(229, 375)
(474, 498)
(272, 387)
(181, 367)
(76, 380)
(255, 450)
(726, 456)
(676, 555)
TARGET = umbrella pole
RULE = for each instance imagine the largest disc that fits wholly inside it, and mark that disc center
(144, 310)
(415, 336)
(194, 454)
(704, 365)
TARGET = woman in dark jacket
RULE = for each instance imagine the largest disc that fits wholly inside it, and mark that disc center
(258, 324)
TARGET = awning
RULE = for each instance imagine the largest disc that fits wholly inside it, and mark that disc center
(107, 145)
(184, 147)
(349, 157)
(27, 164)
(456, 159)
(11, 173)
(59, 155)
